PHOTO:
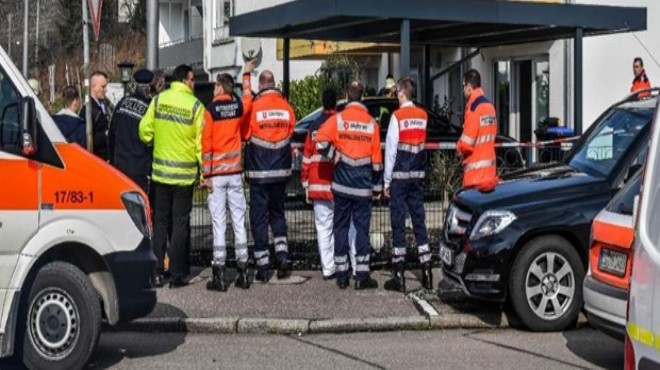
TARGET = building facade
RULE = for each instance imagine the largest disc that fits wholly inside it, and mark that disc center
(526, 82)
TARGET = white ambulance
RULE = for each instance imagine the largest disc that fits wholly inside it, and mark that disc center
(642, 347)
(74, 238)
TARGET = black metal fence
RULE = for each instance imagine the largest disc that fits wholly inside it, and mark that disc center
(443, 178)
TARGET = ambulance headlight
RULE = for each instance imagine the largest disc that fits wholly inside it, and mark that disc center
(491, 223)
(137, 208)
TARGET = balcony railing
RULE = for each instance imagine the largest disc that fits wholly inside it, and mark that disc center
(221, 35)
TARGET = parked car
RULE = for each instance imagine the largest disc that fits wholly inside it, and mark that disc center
(642, 349)
(528, 240)
(610, 257)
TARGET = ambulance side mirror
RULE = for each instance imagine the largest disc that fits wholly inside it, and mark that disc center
(28, 126)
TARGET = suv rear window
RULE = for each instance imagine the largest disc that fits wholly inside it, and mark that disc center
(623, 201)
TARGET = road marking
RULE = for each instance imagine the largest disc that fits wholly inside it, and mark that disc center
(424, 306)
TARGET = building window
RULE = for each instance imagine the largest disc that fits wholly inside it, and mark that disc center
(502, 95)
(224, 9)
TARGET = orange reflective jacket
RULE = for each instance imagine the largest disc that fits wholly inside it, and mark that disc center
(639, 83)
(477, 144)
(268, 155)
(316, 175)
(226, 125)
(355, 136)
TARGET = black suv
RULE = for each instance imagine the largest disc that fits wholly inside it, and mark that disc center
(527, 241)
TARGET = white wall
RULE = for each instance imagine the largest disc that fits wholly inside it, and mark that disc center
(608, 60)
(298, 68)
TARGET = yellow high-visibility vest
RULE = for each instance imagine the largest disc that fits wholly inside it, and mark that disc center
(173, 125)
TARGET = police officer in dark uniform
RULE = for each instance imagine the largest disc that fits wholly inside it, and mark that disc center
(129, 154)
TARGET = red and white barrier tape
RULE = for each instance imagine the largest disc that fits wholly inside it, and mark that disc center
(447, 146)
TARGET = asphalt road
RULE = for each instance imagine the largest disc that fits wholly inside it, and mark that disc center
(451, 349)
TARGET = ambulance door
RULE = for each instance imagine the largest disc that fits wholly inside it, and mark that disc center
(19, 185)
(643, 327)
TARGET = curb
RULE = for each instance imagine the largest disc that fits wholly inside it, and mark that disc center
(236, 325)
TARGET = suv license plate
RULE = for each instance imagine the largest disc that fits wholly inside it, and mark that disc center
(612, 261)
(446, 255)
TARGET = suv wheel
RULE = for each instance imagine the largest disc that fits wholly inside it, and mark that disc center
(546, 284)
(61, 319)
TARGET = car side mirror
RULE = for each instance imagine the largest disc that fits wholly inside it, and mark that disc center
(28, 126)
(632, 171)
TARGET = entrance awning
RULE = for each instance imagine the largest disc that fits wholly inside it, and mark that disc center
(448, 22)
(462, 23)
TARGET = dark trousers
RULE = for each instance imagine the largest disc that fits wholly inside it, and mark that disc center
(405, 197)
(267, 207)
(360, 211)
(172, 206)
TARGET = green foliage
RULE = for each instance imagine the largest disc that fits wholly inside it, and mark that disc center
(305, 95)
(335, 72)
(446, 173)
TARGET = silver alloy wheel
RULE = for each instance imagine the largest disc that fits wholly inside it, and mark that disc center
(53, 323)
(550, 286)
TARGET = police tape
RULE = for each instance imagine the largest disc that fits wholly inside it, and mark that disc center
(445, 146)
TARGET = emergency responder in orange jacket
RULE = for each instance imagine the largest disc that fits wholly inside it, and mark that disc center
(316, 177)
(477, 143)
(405, 166)
(641, 81)
(268, 167)
(352, 137)
(226, 126)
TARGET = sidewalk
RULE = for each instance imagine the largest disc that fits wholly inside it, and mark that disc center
(308, 304)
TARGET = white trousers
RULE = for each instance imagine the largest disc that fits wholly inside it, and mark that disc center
(228, 190)
(323, 217)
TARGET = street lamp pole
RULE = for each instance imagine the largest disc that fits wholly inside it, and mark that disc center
(26, 32)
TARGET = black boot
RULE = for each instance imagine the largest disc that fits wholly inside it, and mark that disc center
(284, 271)
(427, 275)
(262, 275)
(218, 282)
(366, 284)
(398, 281)
(242, 277)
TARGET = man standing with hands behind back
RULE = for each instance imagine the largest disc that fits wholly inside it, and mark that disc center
(173, 125)
(405, 166)
(268, 163)
(352, 138)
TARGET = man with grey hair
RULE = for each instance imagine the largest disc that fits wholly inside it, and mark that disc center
(127, 152)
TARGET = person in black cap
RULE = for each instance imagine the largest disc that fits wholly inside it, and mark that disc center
(128, 153)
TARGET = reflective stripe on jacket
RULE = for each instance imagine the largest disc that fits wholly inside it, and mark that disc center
(268, 154)
(404, 149)
(226, 125)
(173, 125)
(477, 143)
(316, 175)
(355, 137)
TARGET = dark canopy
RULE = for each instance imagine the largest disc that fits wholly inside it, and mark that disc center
(448, 22)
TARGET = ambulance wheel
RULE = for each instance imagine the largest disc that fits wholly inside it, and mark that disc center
(61, 319)
(545, 286)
